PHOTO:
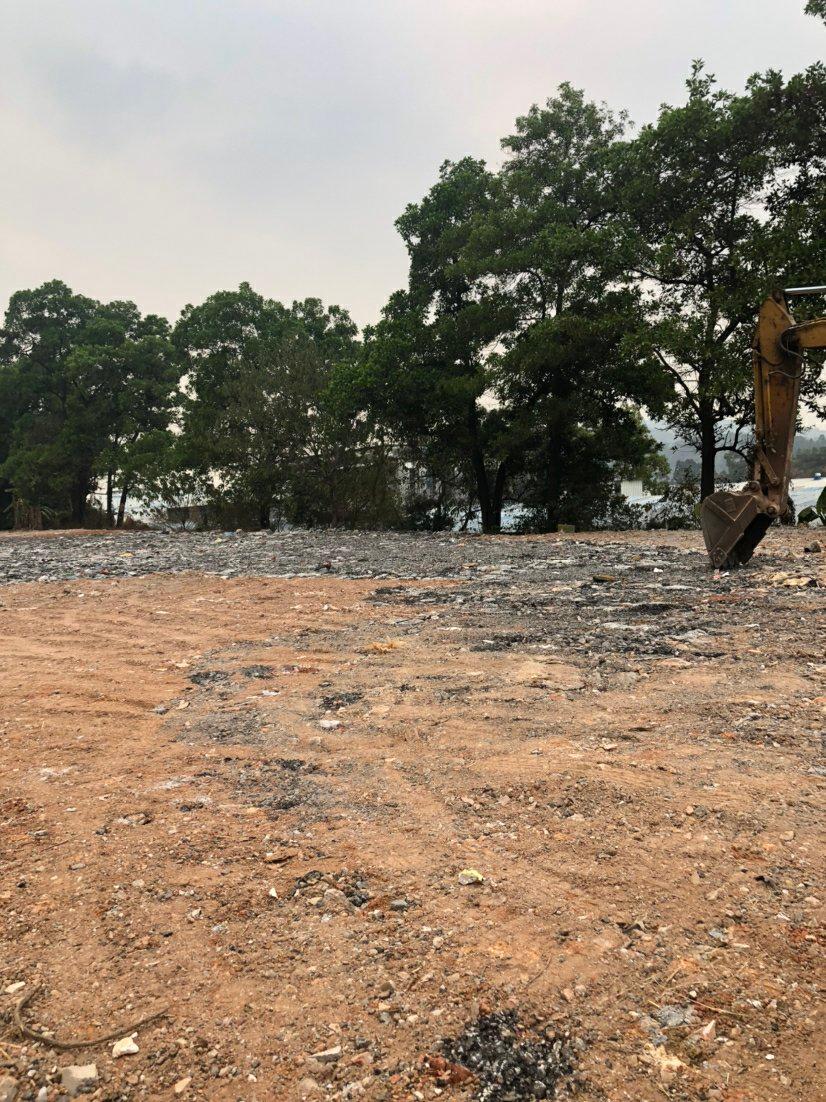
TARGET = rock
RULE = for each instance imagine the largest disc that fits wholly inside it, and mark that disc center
(8, 1088)
(13, 988)
(671, 1016)
(399, 905)
(125, 1047)
(78, 1077)
(308, 1087)
(470, 876)
(182, 1085)
(328, 1055)
(814, 548)
(329, 724)
(334, 899)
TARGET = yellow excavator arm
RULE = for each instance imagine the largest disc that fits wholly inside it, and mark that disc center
(735, 522)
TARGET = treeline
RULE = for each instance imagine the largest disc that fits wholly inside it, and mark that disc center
(597, 274)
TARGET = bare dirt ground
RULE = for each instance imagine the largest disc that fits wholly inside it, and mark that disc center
(248, 800)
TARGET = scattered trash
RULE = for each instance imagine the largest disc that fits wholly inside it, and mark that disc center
(793, 581)
(383, 648)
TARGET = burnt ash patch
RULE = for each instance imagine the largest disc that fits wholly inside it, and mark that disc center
(510, 1064)
(224, 728)
(284, 784)
(258, 672)
(208, 677)
(340, 700)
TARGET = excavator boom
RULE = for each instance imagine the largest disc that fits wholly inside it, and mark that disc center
(735, 522)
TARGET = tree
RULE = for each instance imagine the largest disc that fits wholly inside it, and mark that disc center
(720, 193)
(425, 375)
(142, 372)
(81, 383)
(817, 8)
(568, 375)
(257, 420)
(56, 432)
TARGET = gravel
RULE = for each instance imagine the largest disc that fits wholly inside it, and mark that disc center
(510, 1065)
(348, 554)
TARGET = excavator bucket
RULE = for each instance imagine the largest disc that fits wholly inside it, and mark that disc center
(733, 525)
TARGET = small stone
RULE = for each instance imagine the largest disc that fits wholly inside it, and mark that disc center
(8, 1088)
(328, 1055)
(329, 724)
(182, 1085)
(78, 1077)
(125, 1047)
(470, 876)
(13, 988)
(399, 905)
(709, 1031)
(308, 1087)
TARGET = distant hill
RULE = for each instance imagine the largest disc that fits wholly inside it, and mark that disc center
(809, 450)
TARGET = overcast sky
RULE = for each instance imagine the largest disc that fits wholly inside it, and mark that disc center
(159, 150)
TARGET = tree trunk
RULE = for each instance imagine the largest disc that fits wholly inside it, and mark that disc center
(491, 517)
(264, 514)
(77, 498)
(708, 452)
(498, 495)
(110, 516)
(122, 504)
(553, 480)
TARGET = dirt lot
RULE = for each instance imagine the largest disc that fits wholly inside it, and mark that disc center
(248, 800)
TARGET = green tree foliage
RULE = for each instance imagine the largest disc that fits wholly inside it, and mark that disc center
(261, 423)
(569, 373)
(83, 384)
(425, 370)
(817, 8)
(725, 195)
(508, 359)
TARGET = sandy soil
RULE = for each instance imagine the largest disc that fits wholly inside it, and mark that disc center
(249, 801)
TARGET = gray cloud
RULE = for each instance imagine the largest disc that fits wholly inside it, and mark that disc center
(160, 150)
